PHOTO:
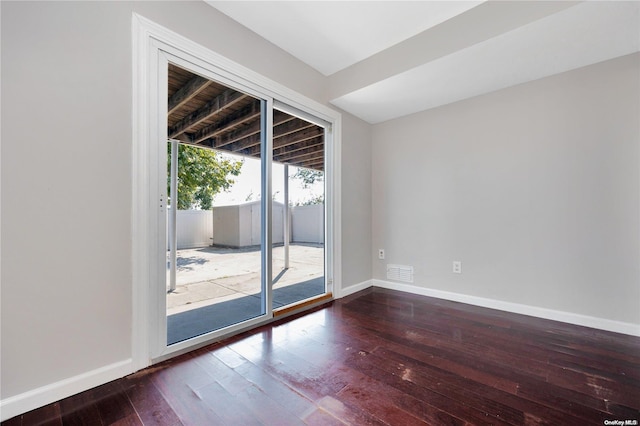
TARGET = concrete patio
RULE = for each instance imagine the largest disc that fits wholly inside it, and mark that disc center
(211, 275)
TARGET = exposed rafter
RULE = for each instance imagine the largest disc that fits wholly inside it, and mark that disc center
(210, 115)
(289, 127)
(297, 137)
(242, 145)
(284, 137)
(303, 154)
(249, 114)
(312, 164)
(308, 144)
(214, 106)
(250, 144)
(238, 135)
(241, 139)
(194, 86)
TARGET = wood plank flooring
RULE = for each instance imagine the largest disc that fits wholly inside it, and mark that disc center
(379, 357)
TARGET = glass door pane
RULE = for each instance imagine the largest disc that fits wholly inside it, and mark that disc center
(298, 220)
(215, 251)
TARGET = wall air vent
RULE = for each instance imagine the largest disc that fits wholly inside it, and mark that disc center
(400, 273)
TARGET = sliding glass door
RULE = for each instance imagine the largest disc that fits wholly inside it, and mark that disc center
(235, 195)
(245, 221)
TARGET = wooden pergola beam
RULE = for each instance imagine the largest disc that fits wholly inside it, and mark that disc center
(251, 129)
(299, 136)
(300, 155)
(310, 143)
(230, 122)
(243, 138)
(312, 164)
(289, 127)
(245, 115)
(281, 142)
(303, 158)
(248, 140)
(184, 94)
(244, 144)
(214, 106)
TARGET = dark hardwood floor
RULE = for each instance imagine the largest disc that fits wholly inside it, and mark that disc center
(379, 357)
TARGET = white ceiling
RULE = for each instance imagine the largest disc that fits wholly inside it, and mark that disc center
(332, 35)
(387, 59)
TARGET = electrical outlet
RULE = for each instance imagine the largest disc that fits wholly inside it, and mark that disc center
(457, 267)
(381, 254)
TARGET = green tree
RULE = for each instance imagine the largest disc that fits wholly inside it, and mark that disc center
(202, 173)
(316, 199)
(308, 176)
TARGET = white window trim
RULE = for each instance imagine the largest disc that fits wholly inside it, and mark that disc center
(149, 40)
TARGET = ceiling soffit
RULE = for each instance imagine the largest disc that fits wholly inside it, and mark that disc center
(478, 48)
(575, 37)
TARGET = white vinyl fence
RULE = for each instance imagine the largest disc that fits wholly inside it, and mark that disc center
(195, 228)
(307, 224)
(239, 225)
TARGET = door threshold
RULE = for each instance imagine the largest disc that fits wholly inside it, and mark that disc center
(307, 303)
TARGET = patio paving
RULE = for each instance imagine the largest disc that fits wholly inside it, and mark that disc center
(214, 275)
(195, 322)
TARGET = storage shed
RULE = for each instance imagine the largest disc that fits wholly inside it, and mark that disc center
(239, 225)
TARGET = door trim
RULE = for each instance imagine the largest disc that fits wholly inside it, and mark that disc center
(150, 40)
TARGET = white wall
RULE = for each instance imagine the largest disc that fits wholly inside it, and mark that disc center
(66, 143)
(534, 188)
(356, 201)
(66, 307)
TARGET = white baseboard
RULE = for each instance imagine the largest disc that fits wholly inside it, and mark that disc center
(355, 288)
(568, 317)
(30, 400)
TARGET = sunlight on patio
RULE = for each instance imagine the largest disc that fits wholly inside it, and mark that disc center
(212, 275)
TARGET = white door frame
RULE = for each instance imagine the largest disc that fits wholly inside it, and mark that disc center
(153, 47)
